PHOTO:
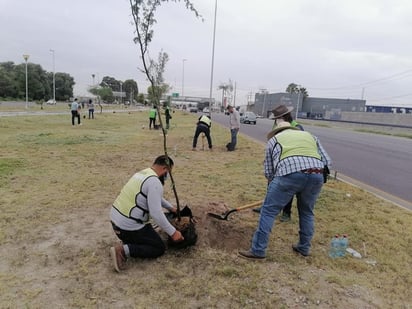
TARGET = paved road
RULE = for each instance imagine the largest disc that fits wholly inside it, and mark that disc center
(378, 163)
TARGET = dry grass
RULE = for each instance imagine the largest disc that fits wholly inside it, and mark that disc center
(57, 184)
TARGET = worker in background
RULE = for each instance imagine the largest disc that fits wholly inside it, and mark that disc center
(203, 126)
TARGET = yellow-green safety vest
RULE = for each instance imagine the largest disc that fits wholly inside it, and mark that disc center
(297, 143)
(206, 120)
(127, 199)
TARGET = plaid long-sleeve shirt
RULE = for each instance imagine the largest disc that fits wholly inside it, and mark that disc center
(274, 167)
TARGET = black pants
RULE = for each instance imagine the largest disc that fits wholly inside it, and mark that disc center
(152, 120)
(202, 129)
(144, 243)
(74, 115)
(91, 113)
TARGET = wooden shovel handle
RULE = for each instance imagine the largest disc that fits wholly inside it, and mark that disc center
(249, 205)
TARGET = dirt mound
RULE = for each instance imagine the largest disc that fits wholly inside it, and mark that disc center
(227, 235)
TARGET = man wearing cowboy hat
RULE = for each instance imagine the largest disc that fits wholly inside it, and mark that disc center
(294, 163)
(283, 112)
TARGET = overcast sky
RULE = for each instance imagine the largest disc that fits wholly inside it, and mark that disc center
(339, 49)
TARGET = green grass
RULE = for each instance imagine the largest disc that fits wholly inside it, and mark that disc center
(57, 184)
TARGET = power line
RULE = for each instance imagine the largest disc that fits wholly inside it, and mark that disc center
(398, 75)
(389, 98)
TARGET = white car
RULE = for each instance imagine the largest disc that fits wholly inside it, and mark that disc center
(51, 102)
(248, 117)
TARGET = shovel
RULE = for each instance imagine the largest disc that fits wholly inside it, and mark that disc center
(227, 213)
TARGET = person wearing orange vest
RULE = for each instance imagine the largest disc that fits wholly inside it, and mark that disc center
(139, 200)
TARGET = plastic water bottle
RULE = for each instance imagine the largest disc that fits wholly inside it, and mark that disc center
(334, 247)
(354, 253)
(343, 245)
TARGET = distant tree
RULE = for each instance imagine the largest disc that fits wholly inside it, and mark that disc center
(64, 86)
(110, 82)
(160, 90)
(294, 88)
(38, 87)
(7, 85)
(40, 82)
(140, 99)
(130, 87)
(104, 93)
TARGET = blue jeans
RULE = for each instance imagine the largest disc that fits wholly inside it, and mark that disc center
(279, 192)
(233, 134)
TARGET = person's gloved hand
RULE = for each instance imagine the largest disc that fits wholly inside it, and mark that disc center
(177, 236)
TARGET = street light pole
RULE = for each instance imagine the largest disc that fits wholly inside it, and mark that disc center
(26, 57)
(54, 79)
(213, 61)
(297, 104)
(264, 91)
(183, 77)
(121, 93)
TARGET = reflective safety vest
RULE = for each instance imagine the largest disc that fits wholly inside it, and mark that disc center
(296, 124)
(293, 124)
(206, 120)
(152, 113)
(297, 143)
(127, 199)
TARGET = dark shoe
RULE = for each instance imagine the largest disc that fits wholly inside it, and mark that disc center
(256, 210)
(118, 257)
(250, 256)
(285, 217)
(295, 248)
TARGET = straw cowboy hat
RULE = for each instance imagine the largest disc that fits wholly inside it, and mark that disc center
(281, 110)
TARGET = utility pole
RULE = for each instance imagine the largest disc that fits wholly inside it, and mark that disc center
(183, 76)
(213, 61)
(297, 104)
(26, 57)
(234, 96)
(54, 79)
(264, 91)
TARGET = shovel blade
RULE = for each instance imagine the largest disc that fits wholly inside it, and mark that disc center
(216, 216)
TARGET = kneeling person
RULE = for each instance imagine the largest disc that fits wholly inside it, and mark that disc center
(140, 199)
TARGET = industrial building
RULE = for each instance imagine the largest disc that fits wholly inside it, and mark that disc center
(317, 108)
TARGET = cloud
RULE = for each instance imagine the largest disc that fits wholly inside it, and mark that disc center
(331, 47)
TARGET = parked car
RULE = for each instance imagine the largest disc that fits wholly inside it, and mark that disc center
(51, 102)
(193, 109)
(248, 117)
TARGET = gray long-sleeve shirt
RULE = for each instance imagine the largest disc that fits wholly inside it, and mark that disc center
(154, 203)
(234, 120)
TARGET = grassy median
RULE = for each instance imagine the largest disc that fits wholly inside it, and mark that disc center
(57, 184)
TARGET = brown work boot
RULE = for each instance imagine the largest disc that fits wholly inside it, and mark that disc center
(118, 257)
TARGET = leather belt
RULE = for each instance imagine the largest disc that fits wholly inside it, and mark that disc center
(312, 171)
